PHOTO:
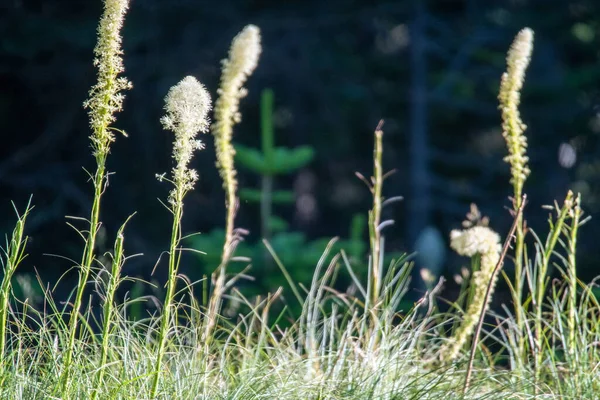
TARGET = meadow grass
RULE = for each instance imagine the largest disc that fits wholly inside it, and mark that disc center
(354, 343)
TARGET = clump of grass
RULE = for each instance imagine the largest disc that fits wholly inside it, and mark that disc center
(14, 253)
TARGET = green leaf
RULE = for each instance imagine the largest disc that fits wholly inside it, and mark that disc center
(278, 224)
(277, 197)
(283, 197)
(251, 195)
(289, 160)
(251, 159)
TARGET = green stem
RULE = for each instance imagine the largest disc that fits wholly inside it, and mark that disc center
(228, 172)
(375, 217)
(266, 206)
(174, 257)
(573, 276)
(268, 149)
(108, 307)
(84, 271)
(217, 294)
(518, 286)
(266, 123)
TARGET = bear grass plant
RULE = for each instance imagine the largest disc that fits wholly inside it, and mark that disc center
(353, 344)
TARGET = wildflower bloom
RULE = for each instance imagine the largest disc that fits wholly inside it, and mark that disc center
(476, 240)
(187, 105)
(510, 96)
(106, 98)
(243, 59)
(470, 242)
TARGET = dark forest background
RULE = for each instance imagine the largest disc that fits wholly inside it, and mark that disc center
(430, 69)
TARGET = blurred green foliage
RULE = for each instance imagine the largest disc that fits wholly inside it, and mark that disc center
(297, 253)
(270, 162)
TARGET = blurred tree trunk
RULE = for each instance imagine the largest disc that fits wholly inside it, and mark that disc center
(419, 196)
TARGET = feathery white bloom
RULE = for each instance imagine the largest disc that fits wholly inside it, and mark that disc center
(475, 240)
(105, 98)
(243, 57)
(519, 56)
(187, 106)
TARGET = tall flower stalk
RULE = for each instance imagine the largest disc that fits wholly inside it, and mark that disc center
(187, 107)
(513, 128)
(243, 58)
(104, 102)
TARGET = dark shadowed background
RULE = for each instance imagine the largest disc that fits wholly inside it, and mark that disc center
(430, 69)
